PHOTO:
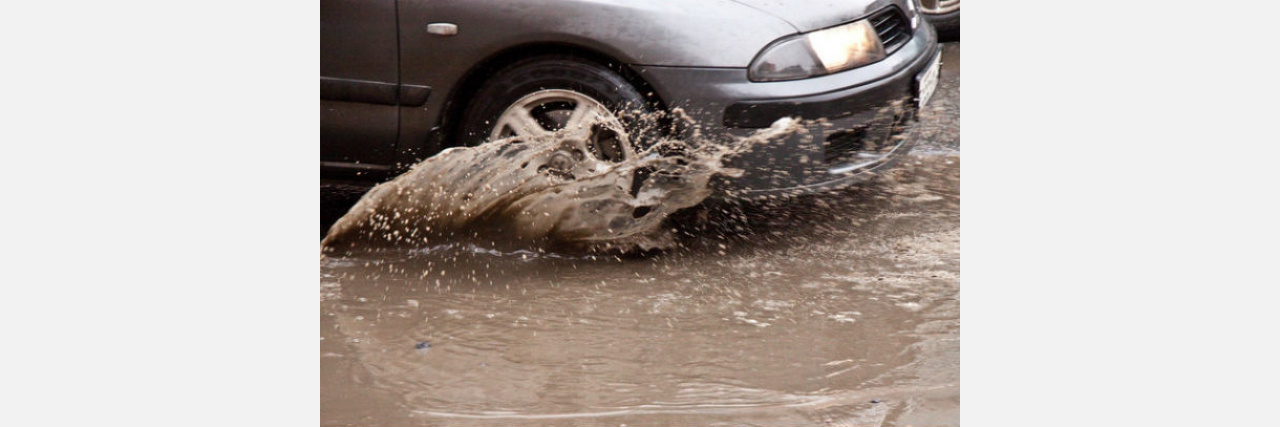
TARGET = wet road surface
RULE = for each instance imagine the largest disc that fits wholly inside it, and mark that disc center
(835, 310)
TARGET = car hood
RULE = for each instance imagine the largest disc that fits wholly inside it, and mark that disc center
(808, 15)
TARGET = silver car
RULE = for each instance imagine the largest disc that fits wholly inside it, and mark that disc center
(401, 80)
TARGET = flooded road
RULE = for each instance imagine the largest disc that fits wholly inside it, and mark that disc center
(836, 310)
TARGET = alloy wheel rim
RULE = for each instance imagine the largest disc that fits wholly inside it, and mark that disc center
(590, 136)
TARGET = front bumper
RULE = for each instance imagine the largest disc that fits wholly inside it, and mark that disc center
(873, 103)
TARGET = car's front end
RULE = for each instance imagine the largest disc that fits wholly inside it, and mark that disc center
(734, 66)
(864, 71)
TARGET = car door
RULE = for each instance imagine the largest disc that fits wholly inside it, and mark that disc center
(359, 77)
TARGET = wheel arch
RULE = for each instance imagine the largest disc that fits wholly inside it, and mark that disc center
(477, 75)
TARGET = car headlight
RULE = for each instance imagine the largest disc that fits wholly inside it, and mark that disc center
(817, 53)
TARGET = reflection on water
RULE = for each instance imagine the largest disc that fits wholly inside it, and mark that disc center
(834, 310)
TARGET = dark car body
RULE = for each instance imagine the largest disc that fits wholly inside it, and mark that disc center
(392, 91)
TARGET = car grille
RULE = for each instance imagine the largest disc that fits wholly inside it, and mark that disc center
(893, 29)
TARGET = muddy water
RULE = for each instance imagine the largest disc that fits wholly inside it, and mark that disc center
(836, 310)
(548, 191)
(795, 318)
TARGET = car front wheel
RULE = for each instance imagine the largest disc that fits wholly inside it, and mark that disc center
(549, 94)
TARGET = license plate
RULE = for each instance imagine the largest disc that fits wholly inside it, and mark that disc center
(927, 81)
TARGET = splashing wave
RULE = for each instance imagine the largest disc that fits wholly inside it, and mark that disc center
(523, 191)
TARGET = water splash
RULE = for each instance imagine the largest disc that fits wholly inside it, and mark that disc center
(548, 190)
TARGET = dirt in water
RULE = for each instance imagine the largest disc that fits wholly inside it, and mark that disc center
(572, 189)
(836, 310)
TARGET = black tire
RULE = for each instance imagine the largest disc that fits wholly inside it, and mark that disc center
(947, 25)
(529, 75)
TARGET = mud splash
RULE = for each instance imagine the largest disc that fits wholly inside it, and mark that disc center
(552, 190)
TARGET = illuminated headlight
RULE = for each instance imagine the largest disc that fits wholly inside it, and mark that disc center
(817, 53)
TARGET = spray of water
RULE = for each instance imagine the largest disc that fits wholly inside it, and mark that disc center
(544, 190)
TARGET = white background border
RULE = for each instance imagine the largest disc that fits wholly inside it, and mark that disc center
(1119, 213)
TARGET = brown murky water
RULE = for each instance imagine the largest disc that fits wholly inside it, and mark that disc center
(530, 192)
(835, 310)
